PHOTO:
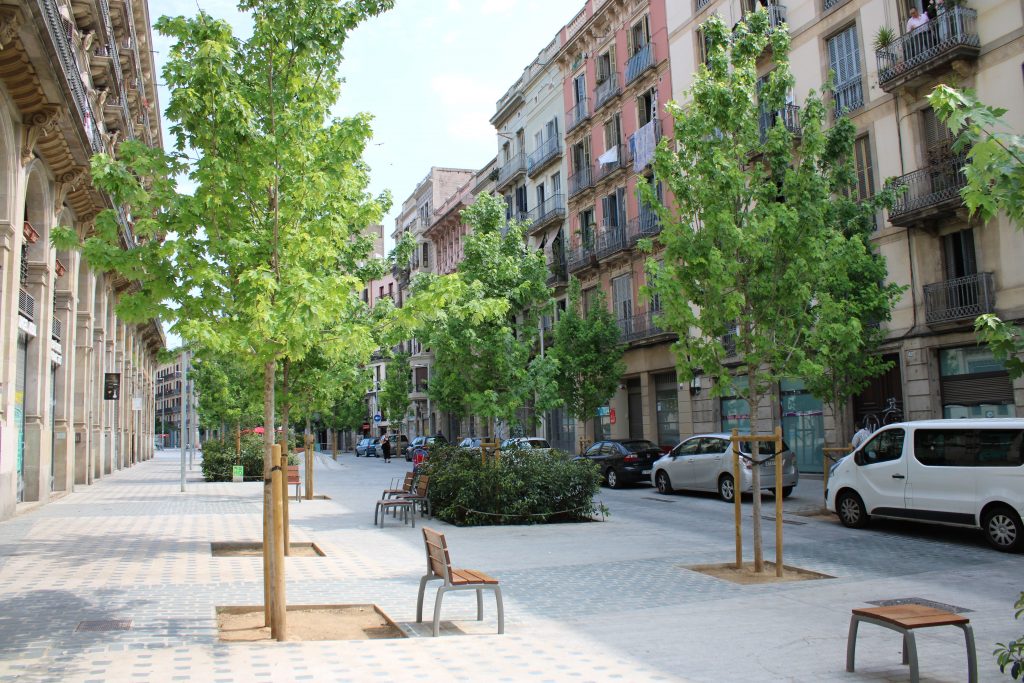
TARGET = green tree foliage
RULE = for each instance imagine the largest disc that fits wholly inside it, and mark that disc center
(484, 343)
(587, 354)
(393, 398)
(756, 252)
(228, 390)
(318, 383)
(995, 182)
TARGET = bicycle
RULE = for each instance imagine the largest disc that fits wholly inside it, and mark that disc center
(891, 415)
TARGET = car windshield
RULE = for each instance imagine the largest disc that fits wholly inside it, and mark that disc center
(764, 447)
(638, 445)
(535, 443)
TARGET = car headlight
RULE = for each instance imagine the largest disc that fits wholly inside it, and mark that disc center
(835, 465)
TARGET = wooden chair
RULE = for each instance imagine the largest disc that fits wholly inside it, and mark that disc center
(293, 478)
(439, 567)
(410, 479)
(421, 496)
(904, 619)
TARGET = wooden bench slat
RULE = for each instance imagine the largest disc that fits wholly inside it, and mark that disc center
(464, 576)
(912, 616)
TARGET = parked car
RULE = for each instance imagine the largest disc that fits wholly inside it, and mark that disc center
(419, 449)
(473, 442)
(399, 444)
(957, 472)
(369, 446)
(525, 443)
(704, 462)
(623, 460)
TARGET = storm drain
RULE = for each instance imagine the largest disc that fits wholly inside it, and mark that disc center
(105, 625)
(922, 602)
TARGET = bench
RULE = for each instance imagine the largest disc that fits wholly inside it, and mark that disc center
(293, 478)
(439, 568)
(904, 619)
(395, 504)
(407, 485)
(421, 496)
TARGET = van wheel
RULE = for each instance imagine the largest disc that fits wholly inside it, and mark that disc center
(1002, 527)
(851, 510)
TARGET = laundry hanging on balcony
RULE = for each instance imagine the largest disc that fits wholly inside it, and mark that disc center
(609, 157)
(642, 144)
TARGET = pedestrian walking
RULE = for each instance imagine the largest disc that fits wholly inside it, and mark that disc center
(860, 437)
(385, 447)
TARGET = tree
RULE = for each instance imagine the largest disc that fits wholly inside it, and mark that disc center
(267, 256)
(484, 363)
(393, 398)
(587, 353)
(228, 388)
(995, 182)
(753, 235)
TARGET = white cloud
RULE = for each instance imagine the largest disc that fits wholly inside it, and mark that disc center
(465, 105)
(454, 5)
(450, 38)
(498, 6)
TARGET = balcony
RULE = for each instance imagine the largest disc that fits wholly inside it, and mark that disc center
(640, 327)
(580, 258)
(577, 115)
(912, 59)
(613, 162)
(929, 193)
(513, 169)
(961, 299)
(776, 15)
(582, 179)
(701, 4)
(611, 241)
(546, 213)
(788, 116)
(401, 276)
(643, 142)
(644, 226)
(548, 151)
(640, 62)
(848, 97)
(606, 90)
(558, 273)
(26, 305)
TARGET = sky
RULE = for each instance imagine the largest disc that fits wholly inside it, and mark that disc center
(429, 71)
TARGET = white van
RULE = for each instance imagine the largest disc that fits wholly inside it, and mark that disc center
(956, 472)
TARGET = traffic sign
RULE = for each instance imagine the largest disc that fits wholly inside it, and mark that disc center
(377, 418)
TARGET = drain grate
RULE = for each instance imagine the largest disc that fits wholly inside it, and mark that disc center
(105, 625)
(784, 520)
(920, 601)
(659, 500)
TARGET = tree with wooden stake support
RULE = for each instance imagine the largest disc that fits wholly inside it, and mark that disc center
(754, 230)
(267, 257)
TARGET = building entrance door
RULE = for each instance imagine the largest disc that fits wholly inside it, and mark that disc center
(803, 425)
(636, 409)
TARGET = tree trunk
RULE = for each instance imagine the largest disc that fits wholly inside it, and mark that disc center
(238, 441)
(269, 372)
(755, 471)
(286, 405)
(309, 459)
(334, 444)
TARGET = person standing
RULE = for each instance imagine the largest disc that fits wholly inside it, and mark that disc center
(860, 437)
(385, 447)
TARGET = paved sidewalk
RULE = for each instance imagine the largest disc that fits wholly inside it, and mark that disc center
(584, 602)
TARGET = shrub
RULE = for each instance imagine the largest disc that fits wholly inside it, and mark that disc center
(219, 456)
(1008, 655)
(520, 487)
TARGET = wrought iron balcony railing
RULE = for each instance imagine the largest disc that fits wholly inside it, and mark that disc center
(929, 190)
(848, 97)
(951, 34)
(641, 326)
(58, 31)
(549, 149)
(962, 298)
(643, 142)
(604, 169)
(610, 241)
(640, 62)
(551, 208)
(577, 115)
(606, 90)
(646, 224)
(776, 15)
(511, 169)
(788, 116)
(581, 180)
(558, 273)
(581, 257)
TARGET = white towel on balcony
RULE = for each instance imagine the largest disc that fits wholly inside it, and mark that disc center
(609, 157)
(644, 142)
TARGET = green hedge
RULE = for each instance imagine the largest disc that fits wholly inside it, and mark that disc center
(521, 487)
(219, 457)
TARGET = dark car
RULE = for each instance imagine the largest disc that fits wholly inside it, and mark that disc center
(368, 446)
(624, 460)
(419, 449)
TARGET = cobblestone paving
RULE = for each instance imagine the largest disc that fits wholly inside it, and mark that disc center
(584, 602)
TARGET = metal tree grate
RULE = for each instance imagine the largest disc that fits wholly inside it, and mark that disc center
(105, 625)
(922, 602)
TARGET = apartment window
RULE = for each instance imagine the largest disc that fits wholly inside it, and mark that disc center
(586, 227)
(581, 156)
(540, 195)
(613, 131)
(380, 292)
(613, 208)
(959, 257)
(605, 66)
(639, 35)
(844, 60)
(391, 289)
(622, 296)
(508, 207)
(579, 88)
(938, 138)
(521, 199)
(589, 299)
(506, 152)
(865, 169)
(645, 107)
(426, 255)
(703, 44)
(556, 183)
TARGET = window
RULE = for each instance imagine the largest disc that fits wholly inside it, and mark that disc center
(579, 89)
(703, 45)
(540, 197)
(865, 169)
(968, 447)
(520, 200)
(645, 107)
(938, 138)
(605, 66)
(844, 61)
(589, 299)
(586, 227)
(613, 131)
(556, 183)
(958, 254)
(613, 208)
(551, 129)
(973, 383)
(426, 255)
(885, 447)
(639, 35)
(622, 295)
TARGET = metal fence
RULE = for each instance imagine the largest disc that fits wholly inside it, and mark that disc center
(949, 30)
(960, 298)
(929, 186)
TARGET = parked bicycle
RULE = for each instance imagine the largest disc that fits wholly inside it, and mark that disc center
(891, 415)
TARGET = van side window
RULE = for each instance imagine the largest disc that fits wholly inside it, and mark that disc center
(969, 447)
(887, 446)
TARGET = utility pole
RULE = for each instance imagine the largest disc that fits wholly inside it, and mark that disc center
(184, 376)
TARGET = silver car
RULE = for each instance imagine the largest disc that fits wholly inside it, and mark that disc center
(704, 463)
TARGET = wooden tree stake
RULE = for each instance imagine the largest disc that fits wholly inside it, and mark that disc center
(279, 622)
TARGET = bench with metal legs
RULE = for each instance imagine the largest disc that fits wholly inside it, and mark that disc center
(439, 568)
(407, 508)
(904, 619)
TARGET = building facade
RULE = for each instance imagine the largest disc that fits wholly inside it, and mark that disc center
(954, 267)
(76, 381)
